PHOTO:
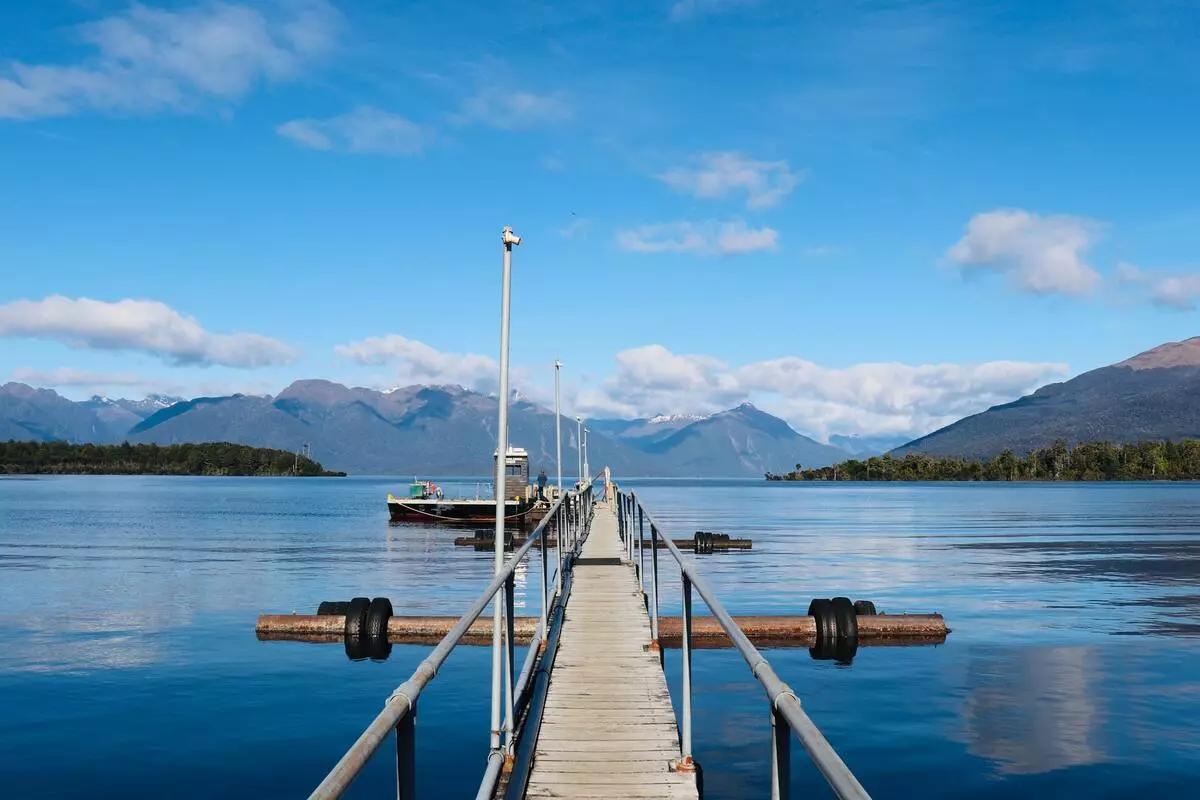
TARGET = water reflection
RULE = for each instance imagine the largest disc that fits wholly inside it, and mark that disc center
(1036, 710)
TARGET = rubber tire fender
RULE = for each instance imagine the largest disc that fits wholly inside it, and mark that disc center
(356, 617)
(378, 614)
(378, 648)
(846, 621)
(821, 611)
(356, 648)
(865, 608)
(332, 608)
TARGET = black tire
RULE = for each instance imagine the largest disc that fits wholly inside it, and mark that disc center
(823, 650)
(356, 617)
(840, 650)
(845, 619)
(378, 614)
(356, 648)
(378, 648)
(864, 608)
(332, 608)
(822, 613)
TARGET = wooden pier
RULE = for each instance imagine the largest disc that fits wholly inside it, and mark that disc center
(608, 730)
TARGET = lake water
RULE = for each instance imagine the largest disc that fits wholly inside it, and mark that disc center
(129, 665)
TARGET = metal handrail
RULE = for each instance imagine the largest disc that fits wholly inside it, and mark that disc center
(400, 707)
(785, 705)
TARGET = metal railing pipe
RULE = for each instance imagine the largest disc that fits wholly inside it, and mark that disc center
(405, 696)
(782, 698)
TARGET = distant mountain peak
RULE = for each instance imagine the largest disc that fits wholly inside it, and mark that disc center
(1165, 356)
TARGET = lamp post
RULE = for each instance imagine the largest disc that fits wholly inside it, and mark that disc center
(509, 239)
(579, 443)
(558, 422)
(587, 472)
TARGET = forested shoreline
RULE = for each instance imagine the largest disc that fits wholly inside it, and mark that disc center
(1092, 461)
(218, 458)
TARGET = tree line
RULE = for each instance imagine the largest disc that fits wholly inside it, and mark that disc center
(220, 458)
(1091, 461)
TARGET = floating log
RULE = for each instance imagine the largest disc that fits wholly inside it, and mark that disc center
(682, 544)
(690, 544)
(511, 542)
(768, 631)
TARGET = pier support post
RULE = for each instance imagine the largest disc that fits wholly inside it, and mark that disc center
(406, 755)
(510, 674)
(686, 763)
(542, 618)
(781, 757)
(641, 526)
(654, 585)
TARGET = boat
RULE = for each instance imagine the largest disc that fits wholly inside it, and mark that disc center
(426, 502)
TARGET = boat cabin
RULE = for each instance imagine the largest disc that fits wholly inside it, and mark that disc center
(516, 472)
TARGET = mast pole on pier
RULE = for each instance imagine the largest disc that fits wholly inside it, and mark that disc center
(509, 239)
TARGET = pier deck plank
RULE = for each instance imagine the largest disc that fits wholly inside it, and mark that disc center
(608, 730)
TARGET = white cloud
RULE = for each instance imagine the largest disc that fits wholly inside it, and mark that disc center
(710, 238)
(862, 399)
(68, 376)
(364, 130)
(714, 176)
(1179, 292)
(1039, 254)
(417, 362)
(498, 107)
(683, 10)
(149, 59)
(144, 325)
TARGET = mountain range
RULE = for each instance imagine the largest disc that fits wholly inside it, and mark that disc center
(425, 430)
(448, 430)
(1153, 396)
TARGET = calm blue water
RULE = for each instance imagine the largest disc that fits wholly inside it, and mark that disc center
(129, 665)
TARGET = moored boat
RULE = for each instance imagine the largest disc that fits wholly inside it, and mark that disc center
(426, 501)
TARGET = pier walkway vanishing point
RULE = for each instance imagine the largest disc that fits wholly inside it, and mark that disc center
(608, 729)
(589, 714)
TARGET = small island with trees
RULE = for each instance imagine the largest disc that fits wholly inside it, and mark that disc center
(1093, 461)
(219, 458)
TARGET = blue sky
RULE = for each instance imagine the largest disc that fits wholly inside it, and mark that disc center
(866, 217)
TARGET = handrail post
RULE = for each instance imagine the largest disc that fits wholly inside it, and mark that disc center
(621, 523)
(654, 584)
(510, 674)
(543, 623)
(686, 763)
(406, 755)
(641, 526)
(781, 756)
(629, 539)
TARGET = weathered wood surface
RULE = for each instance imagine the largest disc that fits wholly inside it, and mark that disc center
(769, 631)
(608, 730)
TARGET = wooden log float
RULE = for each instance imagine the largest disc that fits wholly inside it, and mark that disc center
(768, 631)
(682, 544)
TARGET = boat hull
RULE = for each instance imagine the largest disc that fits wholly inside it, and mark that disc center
(464, 512)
